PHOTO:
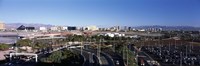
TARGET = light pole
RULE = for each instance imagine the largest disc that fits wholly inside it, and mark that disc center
(123, 50)
(52, 42)
(127, 57)
(137, 57)
(127, 54)
(81, 46)
(175, 43)
(191, 44)
(160, 48)
(99, 48)
(114, 44)
(186, 51)
(18, 38)
(181, 59)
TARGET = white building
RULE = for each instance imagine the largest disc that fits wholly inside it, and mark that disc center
(91, 28)
(114, 34)
(64, 28)
(134, 36)
(42, 28)
(110, 35)
(2, 26)
(54, 28)
(142, 30)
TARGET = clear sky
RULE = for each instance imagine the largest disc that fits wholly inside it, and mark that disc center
(102, 12)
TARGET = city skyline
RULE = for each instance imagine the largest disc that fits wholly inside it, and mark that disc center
(102, 13)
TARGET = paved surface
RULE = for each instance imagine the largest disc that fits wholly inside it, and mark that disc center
(116, 58)
(143, 58)
(105, 60)
(89, 58)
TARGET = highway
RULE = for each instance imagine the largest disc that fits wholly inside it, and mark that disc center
(118, 60)
(105, 60)
(143, 59)
(32, 60)
(89, 58)
(89, 55)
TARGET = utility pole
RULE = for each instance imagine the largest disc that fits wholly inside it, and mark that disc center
(160, 47)
(18, 38)
(81, 46)
(127, 56)
(191, 45)
(175, 43)
(123, 50)
(99, 49)
(181, 59)
(114, 45)
(137, 57)
(169, 46)
(186, 51)
(52, 42)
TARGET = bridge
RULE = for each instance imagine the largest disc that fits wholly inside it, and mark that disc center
(28, 54)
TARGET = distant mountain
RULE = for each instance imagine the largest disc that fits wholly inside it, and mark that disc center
(16, 25)
(187, 28)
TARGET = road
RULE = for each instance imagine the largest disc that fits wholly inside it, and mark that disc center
(32, 61)
(143, 58)
(116, 58)
(89, 58)
(105, 60)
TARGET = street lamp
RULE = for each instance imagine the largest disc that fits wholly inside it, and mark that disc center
(127, 55)
(16, 46)
(114, 44)
(99, 48)
(192, 43)
(181, 58)
(81, 46)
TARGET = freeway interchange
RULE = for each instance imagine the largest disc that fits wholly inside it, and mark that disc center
(90, 57)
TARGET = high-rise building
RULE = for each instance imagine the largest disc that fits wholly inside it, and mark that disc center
(2, 26)
(72, 28)
(129, 28)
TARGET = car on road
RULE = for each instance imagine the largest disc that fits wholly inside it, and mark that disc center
(142, 62)
(117, 62)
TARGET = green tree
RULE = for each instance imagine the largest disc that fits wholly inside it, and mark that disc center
(4, 46)
(56, 57)
(24, 42)
(67, 54)
(40, 45)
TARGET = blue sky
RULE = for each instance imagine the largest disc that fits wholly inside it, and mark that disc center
(102, 12)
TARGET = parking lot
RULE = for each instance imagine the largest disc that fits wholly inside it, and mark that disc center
(174, 54)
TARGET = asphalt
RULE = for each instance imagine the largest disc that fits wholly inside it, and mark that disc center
(142, 57)
(105, 60)
(116, 57)
(89, 58)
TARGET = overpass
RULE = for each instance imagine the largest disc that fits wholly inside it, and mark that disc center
(27, 54)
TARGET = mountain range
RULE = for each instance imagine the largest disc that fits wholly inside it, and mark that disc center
(166, 28)
(190, 28)
(16, 25)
